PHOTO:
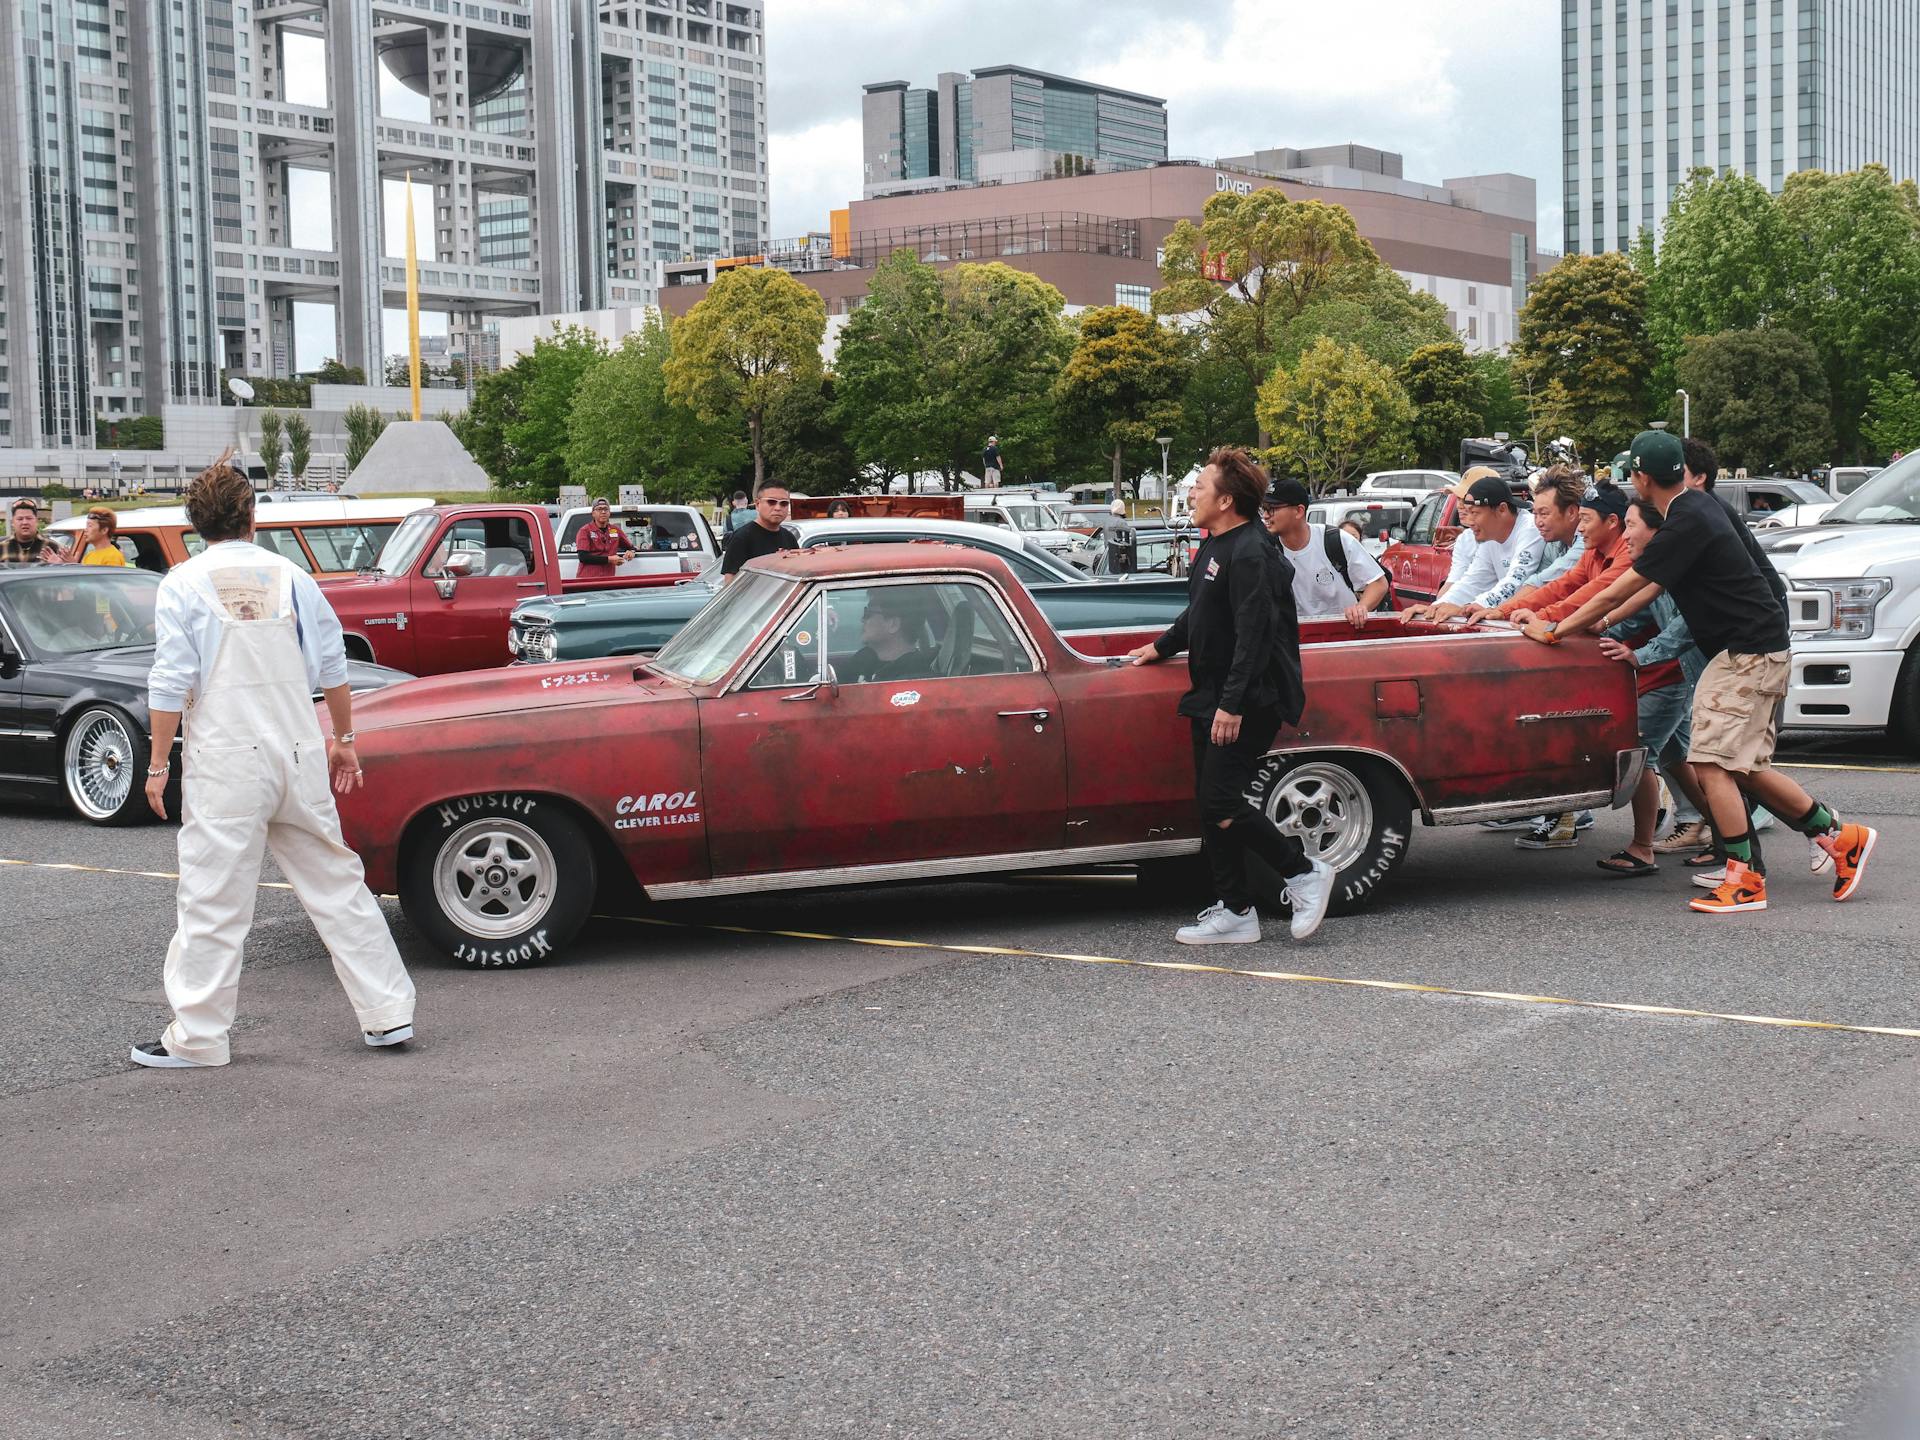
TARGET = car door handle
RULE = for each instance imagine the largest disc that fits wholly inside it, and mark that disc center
(531, 585)
(1026, 714)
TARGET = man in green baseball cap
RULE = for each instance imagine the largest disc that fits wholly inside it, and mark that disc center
(1699, 558)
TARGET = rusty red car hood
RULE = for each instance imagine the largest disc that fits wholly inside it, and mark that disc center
(514, 689)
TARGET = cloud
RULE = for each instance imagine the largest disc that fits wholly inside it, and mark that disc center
(1457, 86)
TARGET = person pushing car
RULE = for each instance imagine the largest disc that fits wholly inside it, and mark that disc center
(242, 639)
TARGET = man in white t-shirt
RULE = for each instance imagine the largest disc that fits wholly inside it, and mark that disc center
(1332, 572)
(1507, 544)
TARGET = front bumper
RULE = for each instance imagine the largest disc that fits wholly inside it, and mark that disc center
(1628, 766)
(1840, 688)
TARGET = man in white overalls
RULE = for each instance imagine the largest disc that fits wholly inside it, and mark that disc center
(243, 637)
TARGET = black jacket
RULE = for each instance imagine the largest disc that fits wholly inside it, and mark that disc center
(1240, 630)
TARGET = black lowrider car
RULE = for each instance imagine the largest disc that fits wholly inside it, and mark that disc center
(76, 643)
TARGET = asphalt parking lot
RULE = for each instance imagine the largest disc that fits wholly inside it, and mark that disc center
(736, 1169)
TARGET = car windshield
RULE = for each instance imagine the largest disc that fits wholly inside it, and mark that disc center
(1848, 481)
(1806, 493)
(71, 613)
(724, 627)
(1031, 517)
(399, 553)
(1891, 497)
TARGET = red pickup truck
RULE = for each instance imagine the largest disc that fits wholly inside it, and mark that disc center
(751, 754)
(439, 596)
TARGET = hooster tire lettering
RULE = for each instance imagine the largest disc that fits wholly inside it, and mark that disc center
(452, 812)
(534, 947)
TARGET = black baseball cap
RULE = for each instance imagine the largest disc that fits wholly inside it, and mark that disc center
(1606, 500)
(1659, 456)
(1287, 492)
(1490, 491)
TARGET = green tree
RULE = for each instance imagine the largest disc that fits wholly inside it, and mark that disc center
(535, 433)
(1719, 265)
(1370, 307)
(1891, 425)
(1760, 398)
(1852, 254)
(754, 337)
(364, 424)
(272, 440)
(1335, 415)
(1216, 406)
(934, 362)
(1121, 386)
(1582, 351)
(332, 372)
(624, 430)
(805, 444)
(483, 424)
(299, 443)
(1449, 398)
(1507, 410)
(1252, 265)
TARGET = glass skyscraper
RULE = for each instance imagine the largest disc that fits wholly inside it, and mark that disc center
(1654, 88)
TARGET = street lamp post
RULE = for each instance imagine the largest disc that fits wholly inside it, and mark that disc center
(1166, 495)
(1686, 414)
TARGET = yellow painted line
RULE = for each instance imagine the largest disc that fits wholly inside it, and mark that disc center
(1835, 765)
(1413, 987)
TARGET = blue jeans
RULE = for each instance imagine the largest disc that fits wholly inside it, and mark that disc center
(1666, 729)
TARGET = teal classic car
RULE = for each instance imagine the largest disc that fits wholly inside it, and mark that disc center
(545, 628)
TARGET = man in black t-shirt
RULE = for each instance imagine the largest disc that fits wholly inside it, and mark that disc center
(1707, 566)
(891, 628)
(765, 534)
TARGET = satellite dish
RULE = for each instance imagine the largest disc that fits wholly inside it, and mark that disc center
(242, 391)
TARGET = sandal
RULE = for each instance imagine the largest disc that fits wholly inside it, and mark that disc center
(1705, 860)
(1626, 865)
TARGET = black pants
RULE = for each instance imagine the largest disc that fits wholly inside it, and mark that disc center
(1221, 777)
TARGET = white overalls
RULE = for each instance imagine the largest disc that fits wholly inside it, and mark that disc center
(256, 770)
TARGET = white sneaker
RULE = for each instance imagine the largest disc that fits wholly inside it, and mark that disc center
(1217, 925)
(1309, 895)
(1821, 860)
(1711, 879)
(1762, 818)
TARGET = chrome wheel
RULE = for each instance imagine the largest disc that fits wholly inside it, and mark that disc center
(1325, 808)
(494, 878)
(100, 763)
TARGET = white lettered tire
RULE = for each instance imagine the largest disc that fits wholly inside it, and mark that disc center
(1351, 811)
(498, 879)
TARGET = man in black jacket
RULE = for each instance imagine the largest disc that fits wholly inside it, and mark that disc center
(1242, 640)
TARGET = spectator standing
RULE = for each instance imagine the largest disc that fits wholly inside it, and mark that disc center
(243, 637)
(741, 514)
(839, 510)
(97, 545)
(25, 545)
(765, 534)
(1506, 544)
(1739, 625)
(602, 545)
(1332, 572)
(990, 471)
(1242, 640)
(1666, 663)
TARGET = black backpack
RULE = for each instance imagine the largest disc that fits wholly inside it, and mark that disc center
(1337, 557)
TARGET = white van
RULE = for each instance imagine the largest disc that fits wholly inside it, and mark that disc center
(1039, 515)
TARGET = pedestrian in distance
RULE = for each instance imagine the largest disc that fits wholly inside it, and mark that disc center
(243, 637)
(25, 545)
(839, 510)
(96, 545)
(765, 534)
(990, 469)
(1242, 640)
(741, 514)
(602, 545)
(1699, 559)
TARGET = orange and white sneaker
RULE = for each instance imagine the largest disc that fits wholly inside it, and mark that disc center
(1849, 846)
(1741, 890)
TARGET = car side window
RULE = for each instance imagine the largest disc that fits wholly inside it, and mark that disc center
(1426, 521)
(501, 544)
(285, 544)
(346, 547)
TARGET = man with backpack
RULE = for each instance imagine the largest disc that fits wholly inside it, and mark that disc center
(1332, 572)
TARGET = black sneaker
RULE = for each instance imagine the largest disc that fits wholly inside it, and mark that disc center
(154, 1056)
(399, 1035)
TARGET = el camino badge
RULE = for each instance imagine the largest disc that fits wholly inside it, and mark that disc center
(905, 698)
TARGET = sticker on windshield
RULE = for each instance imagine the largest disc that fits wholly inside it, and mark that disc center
(802, 637)
(905, 698)
(788, 666)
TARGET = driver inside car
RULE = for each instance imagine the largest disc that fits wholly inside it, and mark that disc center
(890, 630)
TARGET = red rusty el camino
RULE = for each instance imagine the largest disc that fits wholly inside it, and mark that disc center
(760, 750)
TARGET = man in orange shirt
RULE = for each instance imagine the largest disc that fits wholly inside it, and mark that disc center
(1603, 520)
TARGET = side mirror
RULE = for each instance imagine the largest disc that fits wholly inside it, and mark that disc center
(460, 563)
(10, 659)
(1397, 532)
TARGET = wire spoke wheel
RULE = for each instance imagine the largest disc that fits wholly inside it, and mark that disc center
(495, 878)
(100, 763)
(1327, 809)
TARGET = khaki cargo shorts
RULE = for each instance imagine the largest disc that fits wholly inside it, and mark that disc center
(1736, 708)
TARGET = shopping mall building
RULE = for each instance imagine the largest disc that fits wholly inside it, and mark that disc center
(1470, 241)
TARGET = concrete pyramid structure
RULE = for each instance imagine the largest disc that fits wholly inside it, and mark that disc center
(416, 456)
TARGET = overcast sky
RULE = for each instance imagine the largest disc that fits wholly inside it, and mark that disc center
(1459, 87)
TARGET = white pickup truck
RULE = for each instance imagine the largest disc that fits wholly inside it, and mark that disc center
(1853, 597)
(665, 538)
